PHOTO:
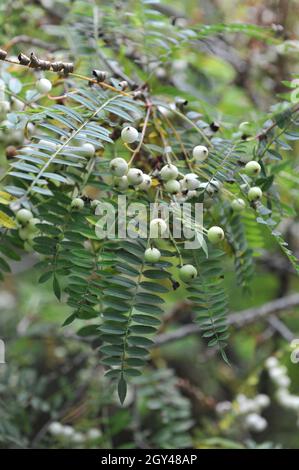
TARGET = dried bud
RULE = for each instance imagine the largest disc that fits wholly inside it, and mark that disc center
(57, 66)
(68, 67)
(45, 64)
(34, 61)
(23, 59)
(11, 151)
(3, 54)
(181, 103)
(214, 126)
(100, 75)
(123, 85)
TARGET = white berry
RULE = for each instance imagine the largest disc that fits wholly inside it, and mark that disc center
(238, 205)
(146, 183)
(87, 149)
(152, 255)
(172, 186)
(135, 176)
(129, 134)
(56, 428)
(119, 166)
(255, 193)
(200, 153)
(191, 181)
(169, 172)
(24, 215)
(122, 182)
(77, 203)
(157, 227)
(215, 234)
(43, 86)
(187, 273)
(252, 168)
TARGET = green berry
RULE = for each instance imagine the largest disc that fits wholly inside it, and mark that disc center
(24, 215)
(191, 181)
(255, 193)
(77, 203)
(43, 86)
(122, 183)
(200, 153)
(252, 168)
(87, 150)
(95, 203)
(152, 255)
(119, 167)
(215, 234)
(169, 172)
(129, 134)
(238, 205)
(187, 273)
(146, 183)
(24, 233)
(172, 186)
(32, 224)
(135, 176)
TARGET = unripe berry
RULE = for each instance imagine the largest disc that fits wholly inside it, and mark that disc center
(146, 183)
(172, 186)
(255, 193)
(77, 203)
(32, 224)
(129, 134)
(122, 183)
(17, 104)
(43, 86)
(191, 181)
(24, 215)
(28, 246)
(157, 227)
(252, 168)
(24, 233)
(187, 273)
(200, 153)
(238, 205)
(191, 193)
(87, 150)
(119, 166)
(215, 234)
(152, 255)
(95, 203)
(135, 176)
(4, 106)
(169, 172)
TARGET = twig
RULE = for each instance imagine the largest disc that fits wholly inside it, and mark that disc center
(263, 134)
(237, 320)
(136, 151)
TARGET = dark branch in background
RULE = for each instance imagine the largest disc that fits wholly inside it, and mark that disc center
(239, 319)
(23, 39)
